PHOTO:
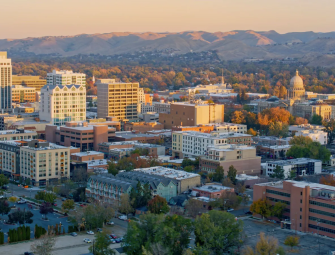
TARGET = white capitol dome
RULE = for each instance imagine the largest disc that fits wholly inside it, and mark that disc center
(297, 82)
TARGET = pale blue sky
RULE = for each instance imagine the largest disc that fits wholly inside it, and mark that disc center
(24, 18)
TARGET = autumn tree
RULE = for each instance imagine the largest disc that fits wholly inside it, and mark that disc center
(278, 210)
(194, 208)
(158, 205)
(252, 132)
(237, 117)
(4, 206)
(292, 241)
(67, 205)
(300, 121)
(43, 245)
(328, 180)
(265, 246)
(278, 129)
(282, 92)
(330, 129)
(261, 207)
(125, 205)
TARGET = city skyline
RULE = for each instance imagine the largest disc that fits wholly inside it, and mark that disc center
(38, 18)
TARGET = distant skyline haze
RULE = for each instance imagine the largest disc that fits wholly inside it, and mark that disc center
(36, 18)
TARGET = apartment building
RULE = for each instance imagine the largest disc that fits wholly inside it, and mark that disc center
(117, 154)
(243, 158)
(271, 140)
(149, 117)
(274, 151)
(109, 188)
(147, 108)
(65, 77)
(29, 81)
(224, 127)
(310, 207)
(10, 157)
(184, 180)
(185, 114)
(118, 99)
(194, 144)
(43, 162)
(18, 134)
(21, 94)
(63, 103)
(106, 147)
(161, 107)
(293, 129)
(300, 166)
(132, 136)
(211, 190)
(80, 135)
(315, 135)
(5, 81)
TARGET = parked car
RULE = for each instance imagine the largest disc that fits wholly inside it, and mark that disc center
(110, 223)
(22, 201)
(117, 240)
(113, 236)
(64, 198)
(112, 240)
(99, 229)
(249, 213)
(121, 239)
(28, 253)
(5, 187)
(73, 234)
(123, 217)
(90, 232)
(86, 240)
(230, 210)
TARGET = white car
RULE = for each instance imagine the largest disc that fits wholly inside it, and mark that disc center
(123, 217)
(21, 201)
(86, 240)
(110, 223)
(230, 210)
(90, 232)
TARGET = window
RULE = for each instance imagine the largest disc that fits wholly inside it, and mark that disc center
(322, 204)
(278, 193)
(300, 209)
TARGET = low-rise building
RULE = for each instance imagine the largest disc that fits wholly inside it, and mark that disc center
(315, 135)
(300, 166)
(21, 94)
(149, 117)
(43, 162)
(293, 129)
(18, 134)
(272, 151)
(195, 144)
(184, 180)
(92, 165)
(271, 140)
(310, 207)
(87, 156)
(224, 127)
(117, 154)
(29, 81)
(83, 135)
(132, 136)
(243, 158)
(211, 191)
(142, 127)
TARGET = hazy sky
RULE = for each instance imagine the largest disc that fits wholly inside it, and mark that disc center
(24, 18)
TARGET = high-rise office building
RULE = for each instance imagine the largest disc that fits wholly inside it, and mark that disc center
(66, 77)
(118, 99)
(29, 81)
(63, 103)
(5, 81)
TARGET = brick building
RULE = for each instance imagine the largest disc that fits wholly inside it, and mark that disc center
(132, 136)
(310, 207)
(211, 191)
(87, 156)
(142, 127)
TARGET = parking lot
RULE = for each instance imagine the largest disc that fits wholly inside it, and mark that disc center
(309, 243)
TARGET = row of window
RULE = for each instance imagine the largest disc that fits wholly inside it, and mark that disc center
(322, 220)
(332, 231)
(322, 212)
(322, 204)
(278, 200)
(283, 194)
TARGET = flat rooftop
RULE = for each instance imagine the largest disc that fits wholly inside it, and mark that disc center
(212, 135)
(13, 132)
(230, 147)
(97, 162)
(168, 172)
(293, 161)
(87, 153)
(129, 134)
(212, 188)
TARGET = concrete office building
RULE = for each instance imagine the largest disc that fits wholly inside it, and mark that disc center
(18, 134)
(219, 127)
(194, 144)
(185, 114)
(63, 103)
(243, 158)
(65, 77)
(184, 180)
(29, 81)
(118, 99)
(300, 166)
(21, 94)
(81, 135)
(5, 81)
(310, 207)
(42, 162)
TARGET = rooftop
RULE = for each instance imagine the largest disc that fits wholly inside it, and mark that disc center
(167, 172)
(97, 162)
(230, 147)
(87, 153)
(12, 132)
(129, 134)
(213, 135)
(212, 188)
(293, 161)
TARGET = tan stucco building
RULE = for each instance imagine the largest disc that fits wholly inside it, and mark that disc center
(29, 81)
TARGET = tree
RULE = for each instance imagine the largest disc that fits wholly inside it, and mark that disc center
(278, 210)
(240, 188)
(292, 241)
(101, 245)
(13, 199)
(265, 246)
(43, 245)
(46, 208)
(141, 195)
(282, 92)
(232, 174)
(278, 173)
(278, 129)
(68, 205)
(227, 183)
(300, 121)
(79, 195)
(261, 207)
(125, 206)
(20, 216)
(112, 169)
(301, 140)
(189, 169)
(328, 180)
(4, 207)
(316, 120)
(3, 180)
(217, 231)
(219, 174)
(237, 117)
(330, 129)
(194, 207)
(158, 205)
(252, 132)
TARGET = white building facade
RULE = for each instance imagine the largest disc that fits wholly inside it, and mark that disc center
(5, 81)
(60, 104)
(66, 77)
